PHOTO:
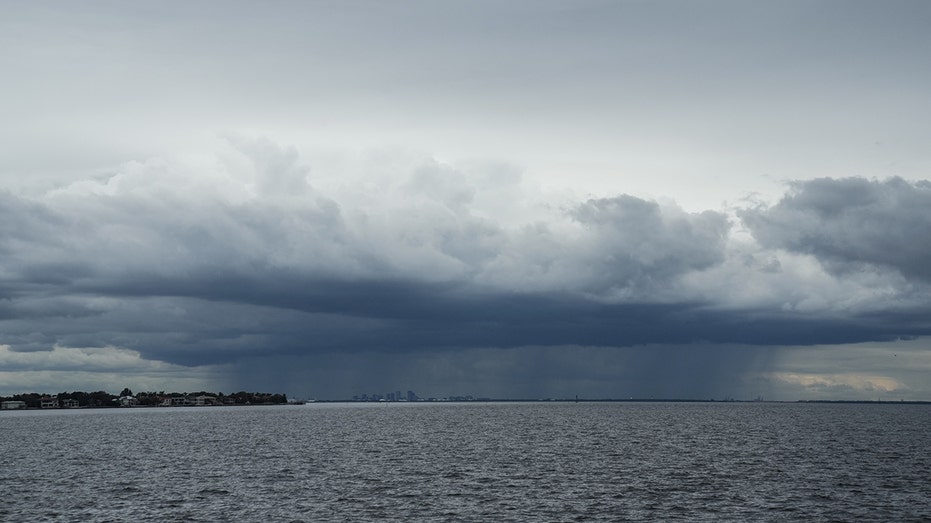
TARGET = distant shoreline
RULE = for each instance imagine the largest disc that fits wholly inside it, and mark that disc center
(633, 400)
(482, 401)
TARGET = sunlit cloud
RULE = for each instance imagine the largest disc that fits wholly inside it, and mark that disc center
(98, 368)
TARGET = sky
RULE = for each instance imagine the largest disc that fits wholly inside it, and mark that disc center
(526, 199)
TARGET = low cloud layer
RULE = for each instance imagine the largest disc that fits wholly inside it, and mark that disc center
(252, 259)
(78, 368)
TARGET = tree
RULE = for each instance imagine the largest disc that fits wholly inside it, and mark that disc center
(126, 392)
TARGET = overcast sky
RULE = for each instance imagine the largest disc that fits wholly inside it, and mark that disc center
(508, 199)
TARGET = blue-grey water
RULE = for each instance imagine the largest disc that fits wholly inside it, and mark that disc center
(470, 462)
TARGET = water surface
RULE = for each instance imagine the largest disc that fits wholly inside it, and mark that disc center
(469, 462)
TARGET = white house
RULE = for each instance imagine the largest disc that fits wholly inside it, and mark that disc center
(205, 400)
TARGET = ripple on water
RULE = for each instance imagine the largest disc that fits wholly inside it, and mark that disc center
(441, 462)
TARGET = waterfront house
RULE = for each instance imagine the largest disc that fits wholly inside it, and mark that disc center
(205, 400)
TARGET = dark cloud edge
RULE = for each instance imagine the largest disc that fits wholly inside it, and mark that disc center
(419, 316)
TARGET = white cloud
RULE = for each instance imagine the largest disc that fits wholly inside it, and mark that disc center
(430, 222)
(840, 385)
(256, 210)
(864, 371)
(98, 368)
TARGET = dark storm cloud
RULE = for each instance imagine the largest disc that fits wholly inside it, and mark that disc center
(850, 222)
(257, 262)
(119, 260)
(130, 231)
(265, 315)
(530, 372)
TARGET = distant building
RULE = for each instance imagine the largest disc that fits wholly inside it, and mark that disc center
(12, 405)
(69, 403)
(195, 401)
(49, 402)
(128, 401)
(205, 400)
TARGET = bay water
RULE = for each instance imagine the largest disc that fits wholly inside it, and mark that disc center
(548, 461)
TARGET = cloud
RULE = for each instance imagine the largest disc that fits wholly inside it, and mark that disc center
(128, 224)
(841, 385)
(159, 221)
(851, 223)
(634, 243)
(257, 255)
(892, 370)
(96, 368)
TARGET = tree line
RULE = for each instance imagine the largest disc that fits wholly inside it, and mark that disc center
(103, 399)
